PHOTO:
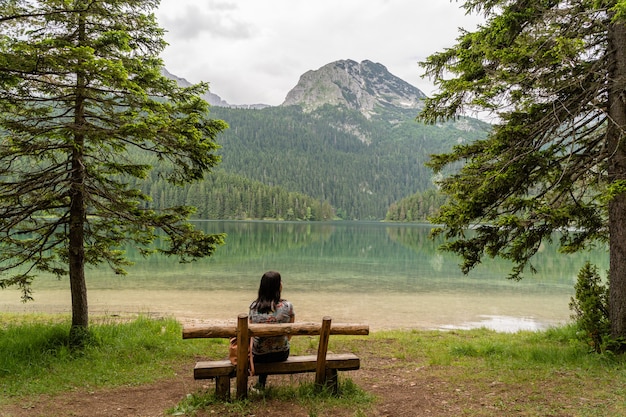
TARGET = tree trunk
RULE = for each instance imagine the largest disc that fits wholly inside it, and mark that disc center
(78, 214)
(78, 286)
(617, 172)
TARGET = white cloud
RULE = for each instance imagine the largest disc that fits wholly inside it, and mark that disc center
(191, 22)
(254, 51)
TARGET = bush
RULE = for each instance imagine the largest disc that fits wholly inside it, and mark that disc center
(590, 305)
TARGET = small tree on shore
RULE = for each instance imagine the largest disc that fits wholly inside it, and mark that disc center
(84, 112)
(590, 307)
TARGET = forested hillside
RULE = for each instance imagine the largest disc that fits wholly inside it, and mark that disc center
(334, 154)
(280, 162)
(344, 144)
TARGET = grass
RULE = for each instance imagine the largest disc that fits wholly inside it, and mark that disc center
(35, 357)
(549, 373)
(305, 394)
(526, 373)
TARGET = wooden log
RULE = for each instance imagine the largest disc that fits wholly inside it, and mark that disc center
(293, 365)
(213, 369)
(243, 344)
(305, 329)
(322, 349)
(308, 363)
(195, 332)
(265, 330)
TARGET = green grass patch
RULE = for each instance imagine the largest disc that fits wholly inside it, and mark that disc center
(36, 358)
(525, 373)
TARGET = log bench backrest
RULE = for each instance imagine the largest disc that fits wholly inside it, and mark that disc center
(264, 330)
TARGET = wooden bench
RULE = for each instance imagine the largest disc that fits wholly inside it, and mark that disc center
(324, 365)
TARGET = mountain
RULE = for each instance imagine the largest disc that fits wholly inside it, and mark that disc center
(211, 98)
(365, 86)
(345, 136)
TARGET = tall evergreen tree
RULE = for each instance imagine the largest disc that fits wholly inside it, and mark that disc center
(81, 92)
(554, 72)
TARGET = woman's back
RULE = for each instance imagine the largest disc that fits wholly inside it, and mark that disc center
(282, 313)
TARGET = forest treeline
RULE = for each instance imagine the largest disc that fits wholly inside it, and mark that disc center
(230, 197)
(418, 207)
(283, 163)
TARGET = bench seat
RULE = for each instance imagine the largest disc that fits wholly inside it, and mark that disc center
(213, 369)
(293, 365)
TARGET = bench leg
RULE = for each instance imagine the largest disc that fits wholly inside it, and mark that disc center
(332, 380)
(222, 387)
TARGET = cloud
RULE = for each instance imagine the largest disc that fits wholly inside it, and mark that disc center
(254, 51)
(220, 21)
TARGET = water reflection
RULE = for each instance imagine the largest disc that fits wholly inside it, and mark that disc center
(382, 274)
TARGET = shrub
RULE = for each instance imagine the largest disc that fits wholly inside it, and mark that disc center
(590, 306)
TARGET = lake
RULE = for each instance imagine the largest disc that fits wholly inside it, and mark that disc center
(384, 275)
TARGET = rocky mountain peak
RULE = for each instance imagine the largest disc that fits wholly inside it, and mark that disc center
(362, 86)
(212, 98)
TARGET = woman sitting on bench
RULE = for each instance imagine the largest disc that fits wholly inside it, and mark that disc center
(270, 308)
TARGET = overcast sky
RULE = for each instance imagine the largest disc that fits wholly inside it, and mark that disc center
(254, 51)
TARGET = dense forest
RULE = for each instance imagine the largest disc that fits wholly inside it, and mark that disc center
(418, 207)
(283, 163)
(233, 197)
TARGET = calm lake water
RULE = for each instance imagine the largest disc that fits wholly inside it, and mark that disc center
(384, 275)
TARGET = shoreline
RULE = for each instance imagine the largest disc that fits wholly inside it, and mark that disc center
(500, 324)
(381, 311)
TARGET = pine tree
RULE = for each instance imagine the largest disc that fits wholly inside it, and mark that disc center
(81, 95)
(554, 74)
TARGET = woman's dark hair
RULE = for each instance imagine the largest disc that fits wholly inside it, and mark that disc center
(269, 293)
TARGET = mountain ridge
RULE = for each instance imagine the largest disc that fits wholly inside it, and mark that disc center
(211, 98)
(364, 86)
